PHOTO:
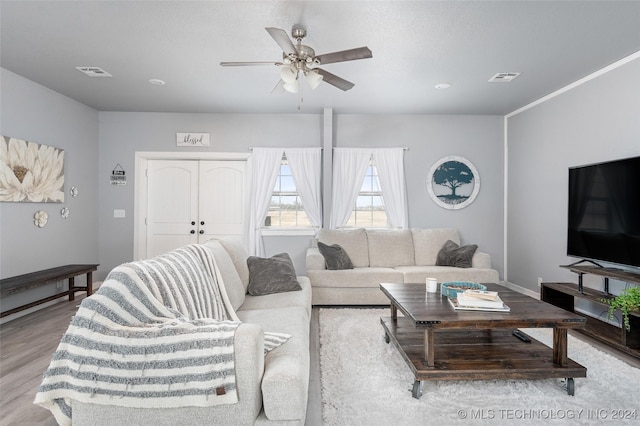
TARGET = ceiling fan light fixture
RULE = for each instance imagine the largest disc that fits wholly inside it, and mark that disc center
(313, 79)
(289, 74)
(291, 87)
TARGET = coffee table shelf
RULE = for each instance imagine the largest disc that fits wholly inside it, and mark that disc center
(439, 343)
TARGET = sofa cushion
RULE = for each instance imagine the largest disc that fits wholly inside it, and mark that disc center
(417, 274)
(353, 241)
(238, 254)
(357, 277)
(271, 275)
(451, 254)
(428, 242)
(300, 299)
(232, 284)
(335, 257)
(388, 248)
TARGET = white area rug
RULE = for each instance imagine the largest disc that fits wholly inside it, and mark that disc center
(366, 382)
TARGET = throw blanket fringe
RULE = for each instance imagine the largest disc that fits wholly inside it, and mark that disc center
(158, 333)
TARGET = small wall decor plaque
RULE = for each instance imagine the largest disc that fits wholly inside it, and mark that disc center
(40, 218)
(193, 139)
(118, 176)
(453, 182)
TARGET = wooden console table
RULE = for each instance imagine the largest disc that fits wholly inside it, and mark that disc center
(564, 296)
(20, 283)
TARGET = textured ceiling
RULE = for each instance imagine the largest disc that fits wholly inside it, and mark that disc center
(415, 45)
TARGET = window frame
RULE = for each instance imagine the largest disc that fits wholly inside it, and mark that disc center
(368, 193)
(289, 229)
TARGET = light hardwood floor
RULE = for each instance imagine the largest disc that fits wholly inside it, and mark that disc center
(27, 343)
(26, 346)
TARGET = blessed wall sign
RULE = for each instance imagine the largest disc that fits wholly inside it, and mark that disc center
(193, 139)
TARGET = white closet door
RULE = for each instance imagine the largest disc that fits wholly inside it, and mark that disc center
(223, 197)
(172, 205)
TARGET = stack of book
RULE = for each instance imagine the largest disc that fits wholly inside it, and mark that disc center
(479, 300)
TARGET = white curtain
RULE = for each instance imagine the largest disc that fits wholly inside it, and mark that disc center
(266, 165)
(306, 166)
(390, 165)
(349, 168)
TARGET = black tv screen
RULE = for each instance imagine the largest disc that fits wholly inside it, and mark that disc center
(604, 212)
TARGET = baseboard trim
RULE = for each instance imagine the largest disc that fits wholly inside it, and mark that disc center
(520, 289)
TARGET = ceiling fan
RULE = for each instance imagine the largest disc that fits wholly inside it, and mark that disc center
(299, 62)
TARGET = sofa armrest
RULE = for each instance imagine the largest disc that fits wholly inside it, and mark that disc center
(315, 259)
(249, 363)
(481, 260)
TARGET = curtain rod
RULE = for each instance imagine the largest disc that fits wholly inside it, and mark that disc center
(404, 147)
(283, 148)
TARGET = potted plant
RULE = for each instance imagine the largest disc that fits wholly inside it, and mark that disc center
(627, 301)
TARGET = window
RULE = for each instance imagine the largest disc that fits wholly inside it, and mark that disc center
(286, 209)
(369, 209)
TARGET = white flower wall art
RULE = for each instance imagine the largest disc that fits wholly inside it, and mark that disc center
(30, 172)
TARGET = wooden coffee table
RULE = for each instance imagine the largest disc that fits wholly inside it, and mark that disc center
(440, 343)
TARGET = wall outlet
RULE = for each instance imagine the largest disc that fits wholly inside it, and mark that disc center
(540, 280)
(118, 213)
(59, 285)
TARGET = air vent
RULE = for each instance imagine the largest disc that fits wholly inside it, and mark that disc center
(94, 71)
(503, 77)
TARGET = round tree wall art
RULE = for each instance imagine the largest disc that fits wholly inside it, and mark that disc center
(30, 172)
(453, 182)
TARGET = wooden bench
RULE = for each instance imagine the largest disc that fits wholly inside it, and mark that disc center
(20, 283)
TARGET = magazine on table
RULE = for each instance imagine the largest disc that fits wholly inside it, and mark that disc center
(464, 299)
(497, 307)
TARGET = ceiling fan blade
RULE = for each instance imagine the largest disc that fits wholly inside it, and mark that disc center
(334, 80)
(279, 88)
(344, 55)
(283, 40)
(244, 64)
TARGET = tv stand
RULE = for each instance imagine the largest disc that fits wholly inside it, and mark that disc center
(564, 295)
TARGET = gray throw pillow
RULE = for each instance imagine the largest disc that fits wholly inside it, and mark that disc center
(334, 256)
(271, 275)
(451, 254)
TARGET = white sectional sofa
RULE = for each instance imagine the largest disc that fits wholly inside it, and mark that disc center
(403, 255)
(272, 388)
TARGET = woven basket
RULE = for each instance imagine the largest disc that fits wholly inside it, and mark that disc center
(452, 288)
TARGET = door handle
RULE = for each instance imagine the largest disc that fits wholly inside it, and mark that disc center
(193, 231)
(193, 222)
(202, 222)
(202, 231)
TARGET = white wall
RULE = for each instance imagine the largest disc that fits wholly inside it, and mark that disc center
(123, 134)
(428, 138)
(478, 138)
(34, 113)
(593, 122)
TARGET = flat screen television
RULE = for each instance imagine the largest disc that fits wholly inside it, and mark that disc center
(604, 212)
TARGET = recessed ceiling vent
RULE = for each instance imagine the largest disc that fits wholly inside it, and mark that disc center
(504, 77)
(94, 71)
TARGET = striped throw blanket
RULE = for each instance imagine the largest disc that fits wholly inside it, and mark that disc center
(158, 333)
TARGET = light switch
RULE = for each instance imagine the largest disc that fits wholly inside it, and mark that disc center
(118, 213)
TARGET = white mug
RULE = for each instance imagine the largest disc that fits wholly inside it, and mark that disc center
(432, 285)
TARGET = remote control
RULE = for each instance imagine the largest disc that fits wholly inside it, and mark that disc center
(520, 335)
